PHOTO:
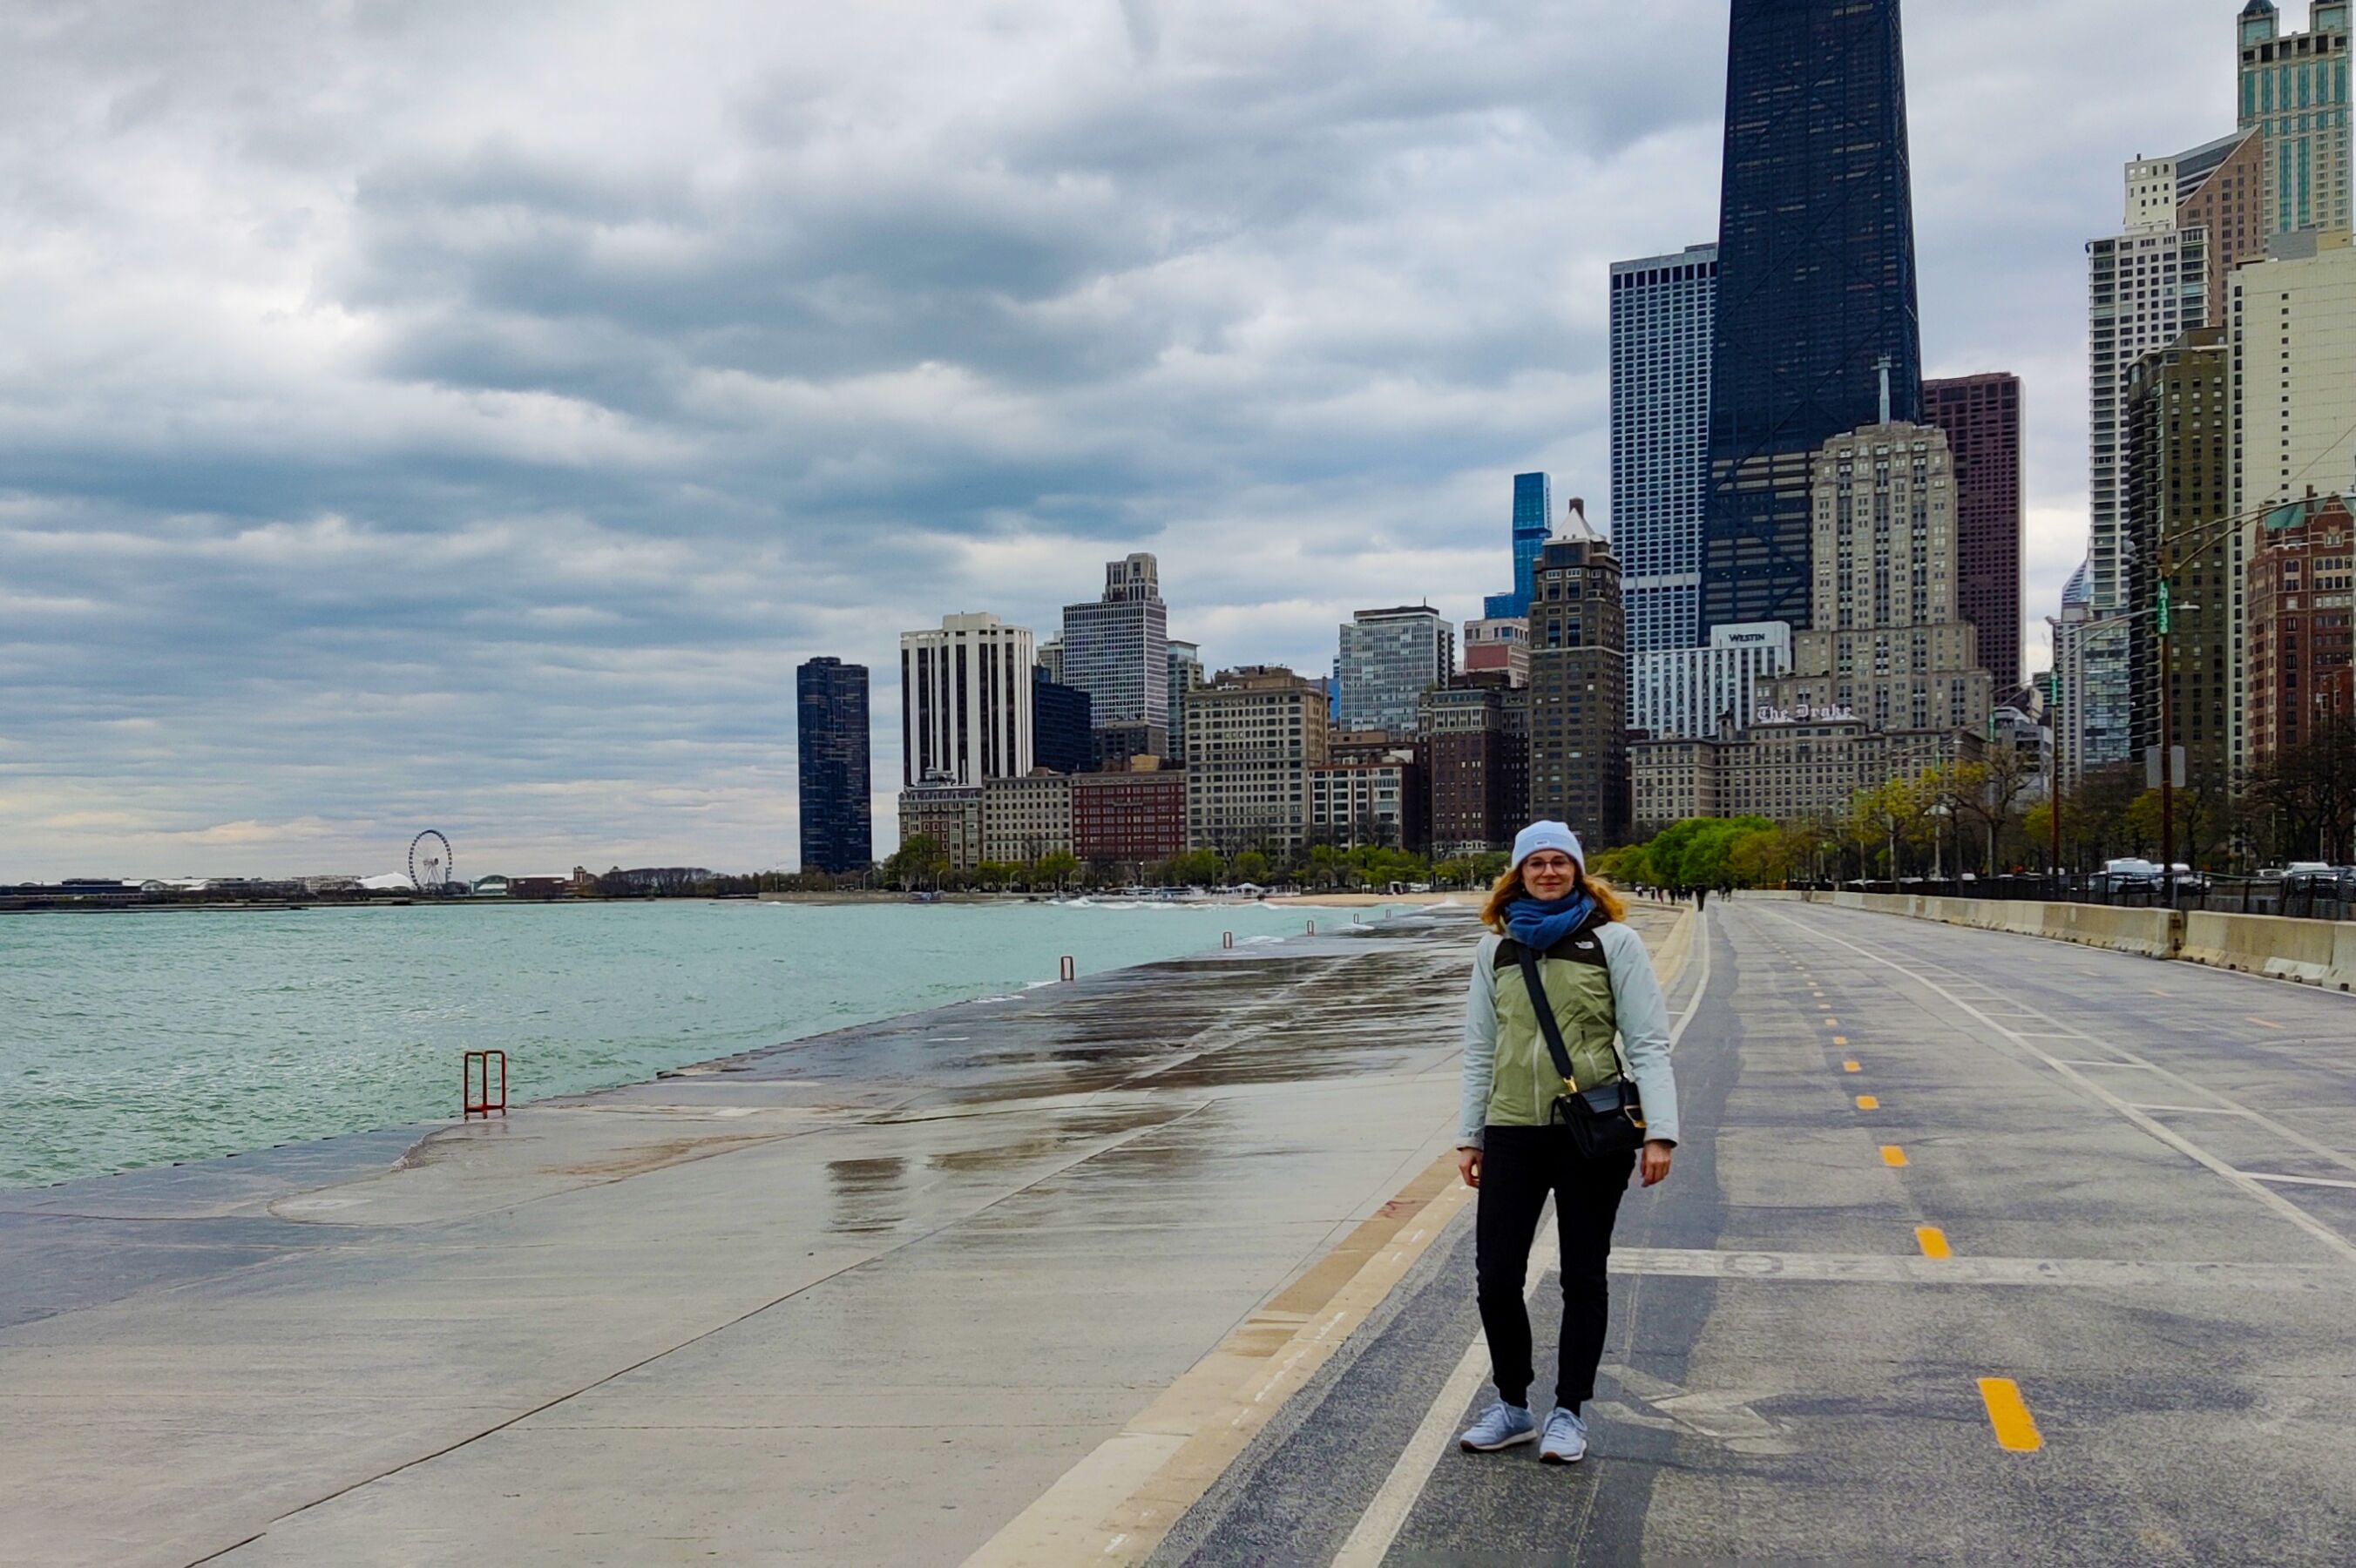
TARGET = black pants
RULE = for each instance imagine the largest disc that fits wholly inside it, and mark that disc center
(1519, 1166)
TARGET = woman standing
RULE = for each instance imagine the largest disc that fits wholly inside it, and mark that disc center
(1531, 1128)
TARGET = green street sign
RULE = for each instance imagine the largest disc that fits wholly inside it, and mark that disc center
(2163, 606)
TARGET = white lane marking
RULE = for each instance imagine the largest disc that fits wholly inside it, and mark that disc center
(2126, 1057)
(2198, 1110)
(2161, 1130)
(1886, 1268)
(2299, 1181)
(1380, 1524)
(1370, 1540)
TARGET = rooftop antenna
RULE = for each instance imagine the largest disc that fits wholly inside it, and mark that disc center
(1882, 365)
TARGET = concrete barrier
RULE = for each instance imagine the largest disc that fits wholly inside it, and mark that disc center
(2154, 932)
(2314, 952)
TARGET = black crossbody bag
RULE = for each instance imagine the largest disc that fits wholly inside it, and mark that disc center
(1605, 1121)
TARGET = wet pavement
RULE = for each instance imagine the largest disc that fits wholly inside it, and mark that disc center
(1981, 1249)
(858, 1298)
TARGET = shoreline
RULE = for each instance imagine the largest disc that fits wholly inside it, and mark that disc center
(309, 1152)
(288, 906)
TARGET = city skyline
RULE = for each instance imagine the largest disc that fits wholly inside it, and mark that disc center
(518, 547)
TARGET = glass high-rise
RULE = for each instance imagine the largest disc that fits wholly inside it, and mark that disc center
(1117, 650)
(1061, 733)
(830, 745)
(1663, 308)
(1533, 518)
(1815, 282)
(2293, 92)
(1388, 658)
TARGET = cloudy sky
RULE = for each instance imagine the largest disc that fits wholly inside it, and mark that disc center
(424, 413)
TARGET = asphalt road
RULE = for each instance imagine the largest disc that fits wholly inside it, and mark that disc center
(1981, 1249)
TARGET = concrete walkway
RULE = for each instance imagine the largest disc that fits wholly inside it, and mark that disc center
(863, 1298)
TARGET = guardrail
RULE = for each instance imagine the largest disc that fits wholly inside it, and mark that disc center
(2325, 895)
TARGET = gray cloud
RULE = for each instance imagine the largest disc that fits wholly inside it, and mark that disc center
(433, 414)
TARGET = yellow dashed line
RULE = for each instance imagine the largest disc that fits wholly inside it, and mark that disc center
(2016, 1429)
(1892, 1155)
(1933, 1241)
(1851, 1067)
(1840, 1040)
(1868, 1103)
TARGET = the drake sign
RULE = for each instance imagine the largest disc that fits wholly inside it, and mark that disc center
(1804, 713)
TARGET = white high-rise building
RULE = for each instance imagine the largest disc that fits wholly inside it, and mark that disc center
(965, 701)
(2145, 287)
(2294, 417)
(1698, 693)
(1664, 311)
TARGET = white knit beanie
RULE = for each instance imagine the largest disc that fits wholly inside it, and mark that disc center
(1540, 836)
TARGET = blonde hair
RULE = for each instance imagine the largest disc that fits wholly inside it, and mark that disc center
(1508, 888)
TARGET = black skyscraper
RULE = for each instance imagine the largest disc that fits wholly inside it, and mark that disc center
(838, 831)
(1815, 282)
(1061, 738)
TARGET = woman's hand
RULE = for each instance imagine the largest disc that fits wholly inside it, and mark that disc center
(1468, 1166)
(1655, 1162)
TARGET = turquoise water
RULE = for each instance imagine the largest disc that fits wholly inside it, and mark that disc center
(135, 1040)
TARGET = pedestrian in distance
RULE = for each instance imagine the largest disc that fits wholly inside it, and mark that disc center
(1552, 1106)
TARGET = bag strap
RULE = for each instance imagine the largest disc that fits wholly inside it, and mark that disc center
(1553, 1031)
(1544, 1010)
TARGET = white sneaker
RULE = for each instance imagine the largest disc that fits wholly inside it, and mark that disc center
(1566, 1438)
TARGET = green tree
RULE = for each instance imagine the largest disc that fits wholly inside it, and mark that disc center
(1197, 868)
(1251, 865)
(1055, 868)
(916, 862)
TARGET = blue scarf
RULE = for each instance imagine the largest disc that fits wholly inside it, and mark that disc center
(1539, 925)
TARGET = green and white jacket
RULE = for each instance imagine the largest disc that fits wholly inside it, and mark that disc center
(1601, 982)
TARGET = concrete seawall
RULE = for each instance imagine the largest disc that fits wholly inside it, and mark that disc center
(2312, 951)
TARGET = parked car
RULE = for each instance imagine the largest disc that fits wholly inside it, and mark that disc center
(2127, 876)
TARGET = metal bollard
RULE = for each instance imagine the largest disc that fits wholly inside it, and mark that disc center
(1312, 928)
(1226, 939)
(1069, 970)
(471, 1103)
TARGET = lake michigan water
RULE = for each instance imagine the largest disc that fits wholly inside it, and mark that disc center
(136, 1039)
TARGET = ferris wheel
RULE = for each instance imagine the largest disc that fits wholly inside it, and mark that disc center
(430, 862)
